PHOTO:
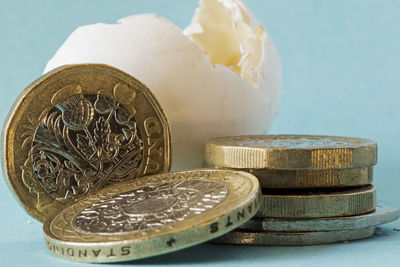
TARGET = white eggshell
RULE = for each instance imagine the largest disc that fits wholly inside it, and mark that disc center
(201, 100)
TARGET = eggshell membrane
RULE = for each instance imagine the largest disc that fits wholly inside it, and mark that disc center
(201, 100)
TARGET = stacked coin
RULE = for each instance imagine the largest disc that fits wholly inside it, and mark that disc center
(316, 189)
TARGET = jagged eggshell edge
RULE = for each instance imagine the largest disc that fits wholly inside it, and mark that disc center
(201, 100)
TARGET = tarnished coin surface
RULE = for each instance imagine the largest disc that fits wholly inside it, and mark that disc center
(271, 178)
(153, 215)
(241, 237)
(331, 202)
(286, 152)
(80, 128)
(384, 213)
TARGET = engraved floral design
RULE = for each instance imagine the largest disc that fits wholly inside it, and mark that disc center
(85, 142)
(77, 113)
(150, 206)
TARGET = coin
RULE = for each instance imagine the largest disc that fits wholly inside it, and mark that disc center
(153, 215)
(80, 128)
(384, 213)
(240, 237)
(270, 178)
(288, 152)
(331, 202)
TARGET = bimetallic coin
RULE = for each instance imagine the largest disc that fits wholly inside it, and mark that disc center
(270, 178)
(78, 129)
(384, 213)
(153, 215)
(288, 152)
(239, 237)
(331, 202)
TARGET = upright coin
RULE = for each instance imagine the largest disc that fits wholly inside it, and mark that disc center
(241, 237)
(384, 213)
(310, 204)
(78, 129)
(153, 215)
(288, 152)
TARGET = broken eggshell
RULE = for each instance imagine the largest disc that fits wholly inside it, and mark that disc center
(221, 77)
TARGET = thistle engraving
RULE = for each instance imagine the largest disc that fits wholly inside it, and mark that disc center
(85, 142)
(150, 206)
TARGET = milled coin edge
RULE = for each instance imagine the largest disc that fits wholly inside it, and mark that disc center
(353, 202)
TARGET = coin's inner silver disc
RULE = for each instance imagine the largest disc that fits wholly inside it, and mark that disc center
(150, 206)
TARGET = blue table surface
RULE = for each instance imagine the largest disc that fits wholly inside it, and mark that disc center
(341, 66)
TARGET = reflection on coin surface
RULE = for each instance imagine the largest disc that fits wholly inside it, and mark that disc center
(78, 129)
(384, 213)
(287, 152)
(304, 203)
(153, 215)
(241, 237)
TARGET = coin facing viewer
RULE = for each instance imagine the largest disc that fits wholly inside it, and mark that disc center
(78, 129)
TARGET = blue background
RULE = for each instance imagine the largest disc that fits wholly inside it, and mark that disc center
(341, 66)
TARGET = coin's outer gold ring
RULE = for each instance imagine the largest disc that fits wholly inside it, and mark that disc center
(241, 203)
(240, 237)
(334, 203)
(384, 213)
(245, 152)
(270, 178)
(36, 99)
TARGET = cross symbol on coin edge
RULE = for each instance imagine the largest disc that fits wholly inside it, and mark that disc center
(171, 242)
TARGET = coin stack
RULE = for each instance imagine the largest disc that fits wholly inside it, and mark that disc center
(316, 189)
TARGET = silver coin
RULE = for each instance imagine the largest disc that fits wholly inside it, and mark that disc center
(152, 215)
(384, 213)
(241, 237)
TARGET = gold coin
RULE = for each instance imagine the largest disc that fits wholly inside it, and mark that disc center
(240, 237)
(153, 215)
(80, 128)
(270, 178)
(288, 152)
(331, 202)
(313, 178)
